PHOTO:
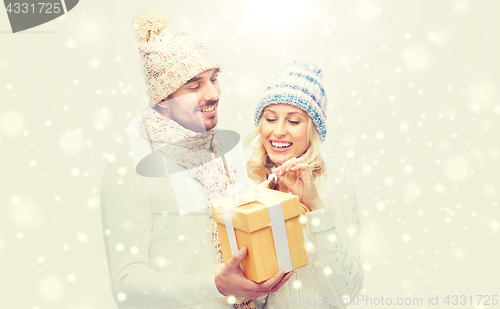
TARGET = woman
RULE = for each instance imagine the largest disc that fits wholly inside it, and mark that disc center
(291, 124)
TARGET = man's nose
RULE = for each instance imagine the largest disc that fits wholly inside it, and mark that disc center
(211, 93)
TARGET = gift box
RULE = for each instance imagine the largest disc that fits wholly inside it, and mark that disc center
(269, 228)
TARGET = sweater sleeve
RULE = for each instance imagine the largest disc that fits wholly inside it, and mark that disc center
(127, 225)
(335, 234)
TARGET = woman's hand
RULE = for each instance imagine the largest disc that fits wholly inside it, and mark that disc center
(302, 184)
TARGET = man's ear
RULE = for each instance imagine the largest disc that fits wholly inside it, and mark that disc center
(163, 107)
(164, 103)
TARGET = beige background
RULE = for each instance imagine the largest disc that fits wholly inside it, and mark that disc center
(415, 83)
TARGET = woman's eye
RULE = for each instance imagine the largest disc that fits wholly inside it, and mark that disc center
(194, 89)
(294, 122)
(270, 120)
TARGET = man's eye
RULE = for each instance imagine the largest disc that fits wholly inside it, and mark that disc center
(194, 89)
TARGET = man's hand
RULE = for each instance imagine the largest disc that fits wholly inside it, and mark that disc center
(232, 281)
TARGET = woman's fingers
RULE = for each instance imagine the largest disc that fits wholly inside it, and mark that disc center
(285, 167)
(300, 166)
(302, 170)
(297, 166)
(290, 163)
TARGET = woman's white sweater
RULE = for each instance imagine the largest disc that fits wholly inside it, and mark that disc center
(158, 258)
(334, 273)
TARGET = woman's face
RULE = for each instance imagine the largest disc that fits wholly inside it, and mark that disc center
(283, 131)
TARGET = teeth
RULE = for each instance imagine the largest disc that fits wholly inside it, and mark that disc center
(208, 109)
(280, 145)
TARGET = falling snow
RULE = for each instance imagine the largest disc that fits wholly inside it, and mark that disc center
(424, 98)
(121, 296)
(50, 289)
(71, 278)
(406, 237)
(12, 123)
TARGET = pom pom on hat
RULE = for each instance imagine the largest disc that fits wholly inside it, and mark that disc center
(147, 24)
(310, 66)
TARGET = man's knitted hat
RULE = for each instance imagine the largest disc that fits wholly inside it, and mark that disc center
(299, 84)
(169, 59)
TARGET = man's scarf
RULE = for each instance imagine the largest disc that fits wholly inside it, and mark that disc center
(200, 154)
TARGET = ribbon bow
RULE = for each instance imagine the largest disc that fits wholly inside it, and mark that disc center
(245, 192)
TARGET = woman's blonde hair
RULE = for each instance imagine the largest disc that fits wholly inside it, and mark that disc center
(259, 166)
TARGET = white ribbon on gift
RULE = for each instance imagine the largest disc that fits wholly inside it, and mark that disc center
(246, 192)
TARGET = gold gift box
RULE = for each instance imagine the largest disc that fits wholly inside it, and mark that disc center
(252, 227)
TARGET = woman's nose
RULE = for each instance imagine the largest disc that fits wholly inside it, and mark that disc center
(280, 130)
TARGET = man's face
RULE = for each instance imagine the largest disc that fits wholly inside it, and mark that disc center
(194, 105)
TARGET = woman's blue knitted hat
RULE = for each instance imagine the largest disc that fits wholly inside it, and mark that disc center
(299, 84)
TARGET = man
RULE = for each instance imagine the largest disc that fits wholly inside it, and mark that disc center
(163, 252)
